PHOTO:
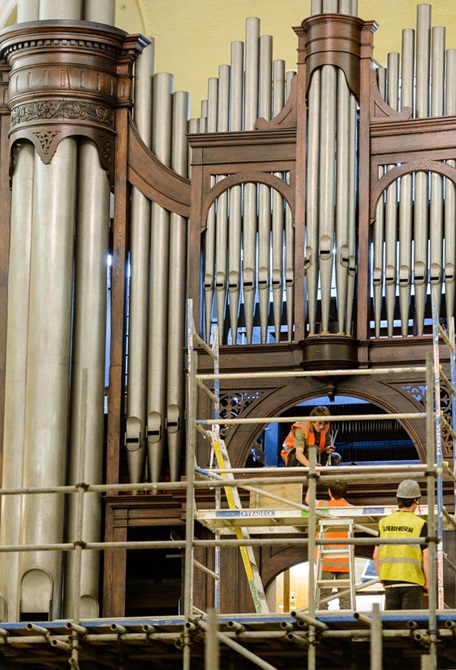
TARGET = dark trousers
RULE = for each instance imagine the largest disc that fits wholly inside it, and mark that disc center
(407, 597)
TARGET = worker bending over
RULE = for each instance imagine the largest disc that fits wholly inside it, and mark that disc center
(305, 434)
(403, 568)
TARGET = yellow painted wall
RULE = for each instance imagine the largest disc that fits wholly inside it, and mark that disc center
(193, 36)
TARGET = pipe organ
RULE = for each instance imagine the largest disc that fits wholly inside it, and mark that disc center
(308, 214)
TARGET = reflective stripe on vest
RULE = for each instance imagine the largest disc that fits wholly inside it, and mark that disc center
(331, 564)
(309, 436)
(401, 562)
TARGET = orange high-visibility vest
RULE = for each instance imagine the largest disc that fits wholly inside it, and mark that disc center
(309, 436)
(331, 564)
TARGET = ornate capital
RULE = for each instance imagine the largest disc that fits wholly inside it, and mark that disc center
(67, 78)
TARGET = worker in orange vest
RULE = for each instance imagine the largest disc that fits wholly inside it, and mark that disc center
(334, 568)
(306, 434)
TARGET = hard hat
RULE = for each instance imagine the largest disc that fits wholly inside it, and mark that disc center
(408, 488)
(334, 458)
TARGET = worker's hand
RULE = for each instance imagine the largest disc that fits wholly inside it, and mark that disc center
(330, 448)
(425, 590)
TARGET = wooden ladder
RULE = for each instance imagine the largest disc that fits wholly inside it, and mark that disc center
(247, 553)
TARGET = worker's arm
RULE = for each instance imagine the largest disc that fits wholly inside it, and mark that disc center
(426, 570)
(299, 445)
(376, 561)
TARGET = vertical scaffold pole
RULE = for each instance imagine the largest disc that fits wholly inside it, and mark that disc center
(438, 445)
(192, 367)
(432, 523)
(217, 549)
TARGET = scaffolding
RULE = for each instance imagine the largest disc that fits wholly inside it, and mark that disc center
(195, 639)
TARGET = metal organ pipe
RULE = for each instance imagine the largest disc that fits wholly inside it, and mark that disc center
(177, 291)
(209, 245)
(28, 10)
(264, 192)
(421, 217)
(278, 212)
(436, 181)
(136, 422)
(249, 223)
(16, 372)
(289, 241)
(48, 373)
(88, 370)
(342, 197)
(235, 196)
(60, 9)
(158, 297)
(406, 186)
(391, 206)
(378, 233)
(103, 11)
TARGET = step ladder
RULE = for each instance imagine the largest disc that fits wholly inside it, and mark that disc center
(234, 502)
(333, 551)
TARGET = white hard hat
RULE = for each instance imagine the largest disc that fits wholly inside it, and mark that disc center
(408, 488)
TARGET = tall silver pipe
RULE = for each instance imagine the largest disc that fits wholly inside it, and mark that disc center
(103, 11)
(278, 218)
(16, 372)
(450, 195)
(176, 306)
(326, 190)
(135, 438)
(422, 178)
(158, 298)
(264, 192)
(311, 232)
(378, 233)
(391, 207)
(235, 227)
(88, 370)
(250, 226)
(209, 237)
(316, 7)
(436, 192)
(342, 197)
(289, 241)
(351, 215)
(28, 10)
(330, 6)
(48, 374)
(60, 9)
(406, 185)
(221, 251)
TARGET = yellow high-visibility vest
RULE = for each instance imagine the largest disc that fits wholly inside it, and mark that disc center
(401, 562)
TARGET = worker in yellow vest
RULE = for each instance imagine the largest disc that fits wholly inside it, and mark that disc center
(306, 434)
(334, 568)
(403, 568)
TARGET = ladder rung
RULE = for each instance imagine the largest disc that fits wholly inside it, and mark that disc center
(336, 583)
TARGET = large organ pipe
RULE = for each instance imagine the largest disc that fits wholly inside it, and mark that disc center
(16, 372)
(249, 228)
(135, 439)
(28, 10)
(378, 234)
(87, 387)
(278, 241)
(221, 251)
(391, 207)
(326, 190)
(235, 227)
(351, 214)
(406, 185)
(342, 197)
(436, 185)
(100, 10)
(48, 367)
(158, 298)
(209, 244)
(421, 179)
(289, 244)
(176, 306)
(264, 192)
(311, 234)
(60, 9)
(450, 195)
